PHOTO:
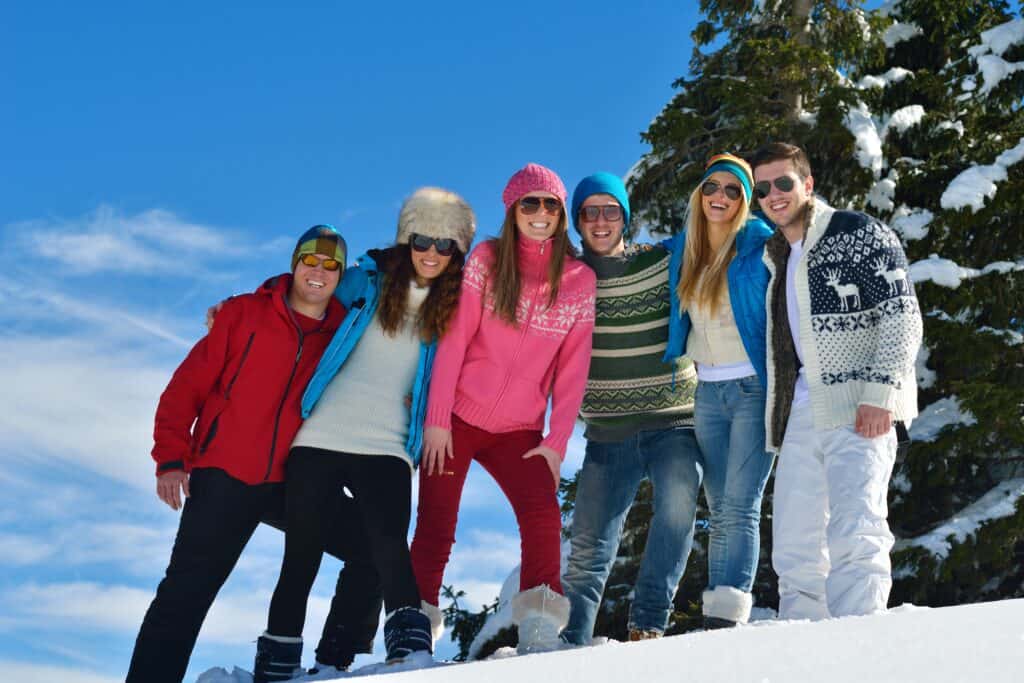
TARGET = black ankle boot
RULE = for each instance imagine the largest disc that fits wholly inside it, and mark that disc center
(712, 623)
(277, 659)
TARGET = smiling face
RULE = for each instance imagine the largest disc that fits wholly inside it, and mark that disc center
(785, 209)
(603, 237)
(428, 264)
(542, 224)
(313, 286)
(719, 209)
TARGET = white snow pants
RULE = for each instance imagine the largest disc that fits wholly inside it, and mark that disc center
(830, 537)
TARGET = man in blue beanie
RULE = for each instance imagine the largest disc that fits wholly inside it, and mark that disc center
(639, 422)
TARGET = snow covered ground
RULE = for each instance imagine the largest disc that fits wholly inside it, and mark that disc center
(982, 642)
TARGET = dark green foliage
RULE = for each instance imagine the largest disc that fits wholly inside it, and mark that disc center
(462, 624)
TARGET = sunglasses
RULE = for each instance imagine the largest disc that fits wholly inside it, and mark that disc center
(531, 205)
(611, 212)
(312, 260)
(445, 246)
(711, 187)
(784, 183)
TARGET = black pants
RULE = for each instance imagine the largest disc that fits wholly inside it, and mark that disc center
(377, 517)
(219, 517)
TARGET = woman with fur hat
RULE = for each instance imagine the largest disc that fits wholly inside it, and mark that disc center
(521, 335)
(718, 284)
(364, 410)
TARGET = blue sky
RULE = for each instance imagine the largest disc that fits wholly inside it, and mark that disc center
(157, 157)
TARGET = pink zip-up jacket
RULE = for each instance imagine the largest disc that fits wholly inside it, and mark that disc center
(496, 376)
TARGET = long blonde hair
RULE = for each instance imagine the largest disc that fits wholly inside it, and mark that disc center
(507, 282)
(704, 273)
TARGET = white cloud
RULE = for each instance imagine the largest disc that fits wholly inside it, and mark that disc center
(41, 673)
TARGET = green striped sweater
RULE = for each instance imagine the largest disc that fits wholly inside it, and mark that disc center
(629, 387)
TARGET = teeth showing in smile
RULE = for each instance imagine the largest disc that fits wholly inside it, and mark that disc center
(314, 284)
(601, 234)
(539, 226)
(716, 205)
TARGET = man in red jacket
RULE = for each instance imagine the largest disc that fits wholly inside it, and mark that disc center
(224, 426)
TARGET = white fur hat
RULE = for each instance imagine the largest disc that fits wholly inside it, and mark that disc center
(437, 213)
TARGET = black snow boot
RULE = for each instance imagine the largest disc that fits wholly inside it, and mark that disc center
(336, 650)
(277, 659)
(407, 630)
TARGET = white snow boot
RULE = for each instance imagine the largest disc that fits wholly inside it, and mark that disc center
(725, 606)
(541, 614)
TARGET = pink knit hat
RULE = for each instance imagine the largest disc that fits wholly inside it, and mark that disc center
(532, 178)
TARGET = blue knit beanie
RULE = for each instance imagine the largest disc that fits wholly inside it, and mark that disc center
(601, 183)
(730, 163)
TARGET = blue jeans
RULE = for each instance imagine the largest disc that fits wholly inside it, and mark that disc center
(608, 482)
(729, 422)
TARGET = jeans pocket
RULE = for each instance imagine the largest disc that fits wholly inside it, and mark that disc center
(750, 387)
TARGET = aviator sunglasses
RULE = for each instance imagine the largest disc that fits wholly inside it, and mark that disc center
(444, 245)
(784, 183)
(312, 260)
(612, 213)
(531, 205)
(710, 187)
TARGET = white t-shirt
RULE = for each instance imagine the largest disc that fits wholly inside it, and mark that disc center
(802, 393)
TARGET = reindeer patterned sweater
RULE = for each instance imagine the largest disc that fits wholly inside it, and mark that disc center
(860, 325)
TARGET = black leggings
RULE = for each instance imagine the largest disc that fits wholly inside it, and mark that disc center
(376, 518)
(218, 519)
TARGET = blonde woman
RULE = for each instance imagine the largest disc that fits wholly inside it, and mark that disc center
(718, 286)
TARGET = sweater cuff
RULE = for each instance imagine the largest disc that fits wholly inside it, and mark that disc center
(557, 443)
(438, 418)
(882, 396)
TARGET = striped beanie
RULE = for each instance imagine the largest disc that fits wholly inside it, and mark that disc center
(730, 163)
(320, 239)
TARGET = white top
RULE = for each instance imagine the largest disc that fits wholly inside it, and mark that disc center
(802, 393)
(363, 409)
(715, 346)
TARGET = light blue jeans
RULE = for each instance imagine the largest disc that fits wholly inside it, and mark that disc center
(608, 482)
(729, 422)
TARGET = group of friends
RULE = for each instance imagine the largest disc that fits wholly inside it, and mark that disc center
(787, 333)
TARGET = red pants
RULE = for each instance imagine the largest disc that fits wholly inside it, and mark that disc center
(527, 484)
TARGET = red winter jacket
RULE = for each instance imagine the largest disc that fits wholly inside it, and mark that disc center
(241, 386)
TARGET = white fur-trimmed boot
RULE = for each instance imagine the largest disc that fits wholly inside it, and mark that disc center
(725, 606)
(541, 614)
(436, 620)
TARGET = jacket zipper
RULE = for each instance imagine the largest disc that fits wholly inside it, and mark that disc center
(284, 396)
(212, 431)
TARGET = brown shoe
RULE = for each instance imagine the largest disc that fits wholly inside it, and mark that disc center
(638, 634)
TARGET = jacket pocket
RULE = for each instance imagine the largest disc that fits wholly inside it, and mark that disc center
(207, 426)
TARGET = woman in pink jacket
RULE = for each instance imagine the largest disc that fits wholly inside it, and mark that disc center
(521, 334)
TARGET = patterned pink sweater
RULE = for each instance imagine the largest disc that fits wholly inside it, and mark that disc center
(498, 377)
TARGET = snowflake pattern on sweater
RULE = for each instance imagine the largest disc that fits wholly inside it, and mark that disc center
(553, 321)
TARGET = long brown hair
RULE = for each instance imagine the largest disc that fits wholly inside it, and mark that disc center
(436, 310)
(703, 280)
(507, 281)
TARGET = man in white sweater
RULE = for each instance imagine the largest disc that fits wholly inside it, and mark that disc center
(844, 329)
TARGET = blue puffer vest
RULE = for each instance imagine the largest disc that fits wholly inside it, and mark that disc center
(359, 291)
(748, 285)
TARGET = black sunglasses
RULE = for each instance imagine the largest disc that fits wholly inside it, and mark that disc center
(445, 246)
(531, 205)
(710, 187)
(785, 183)
(612, 213)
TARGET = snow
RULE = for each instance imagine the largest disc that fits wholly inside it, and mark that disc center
(904, 118)
(925, 376)
(958, 126)
(893, 75)
(867, 142)
(912, 224)
(809, 118)
(980, 642)
(999, 39)
(940, 271)
(994, 69)
(973, 185)
(899, 32)
(939, 415)
(999, 502)
(883, 191)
